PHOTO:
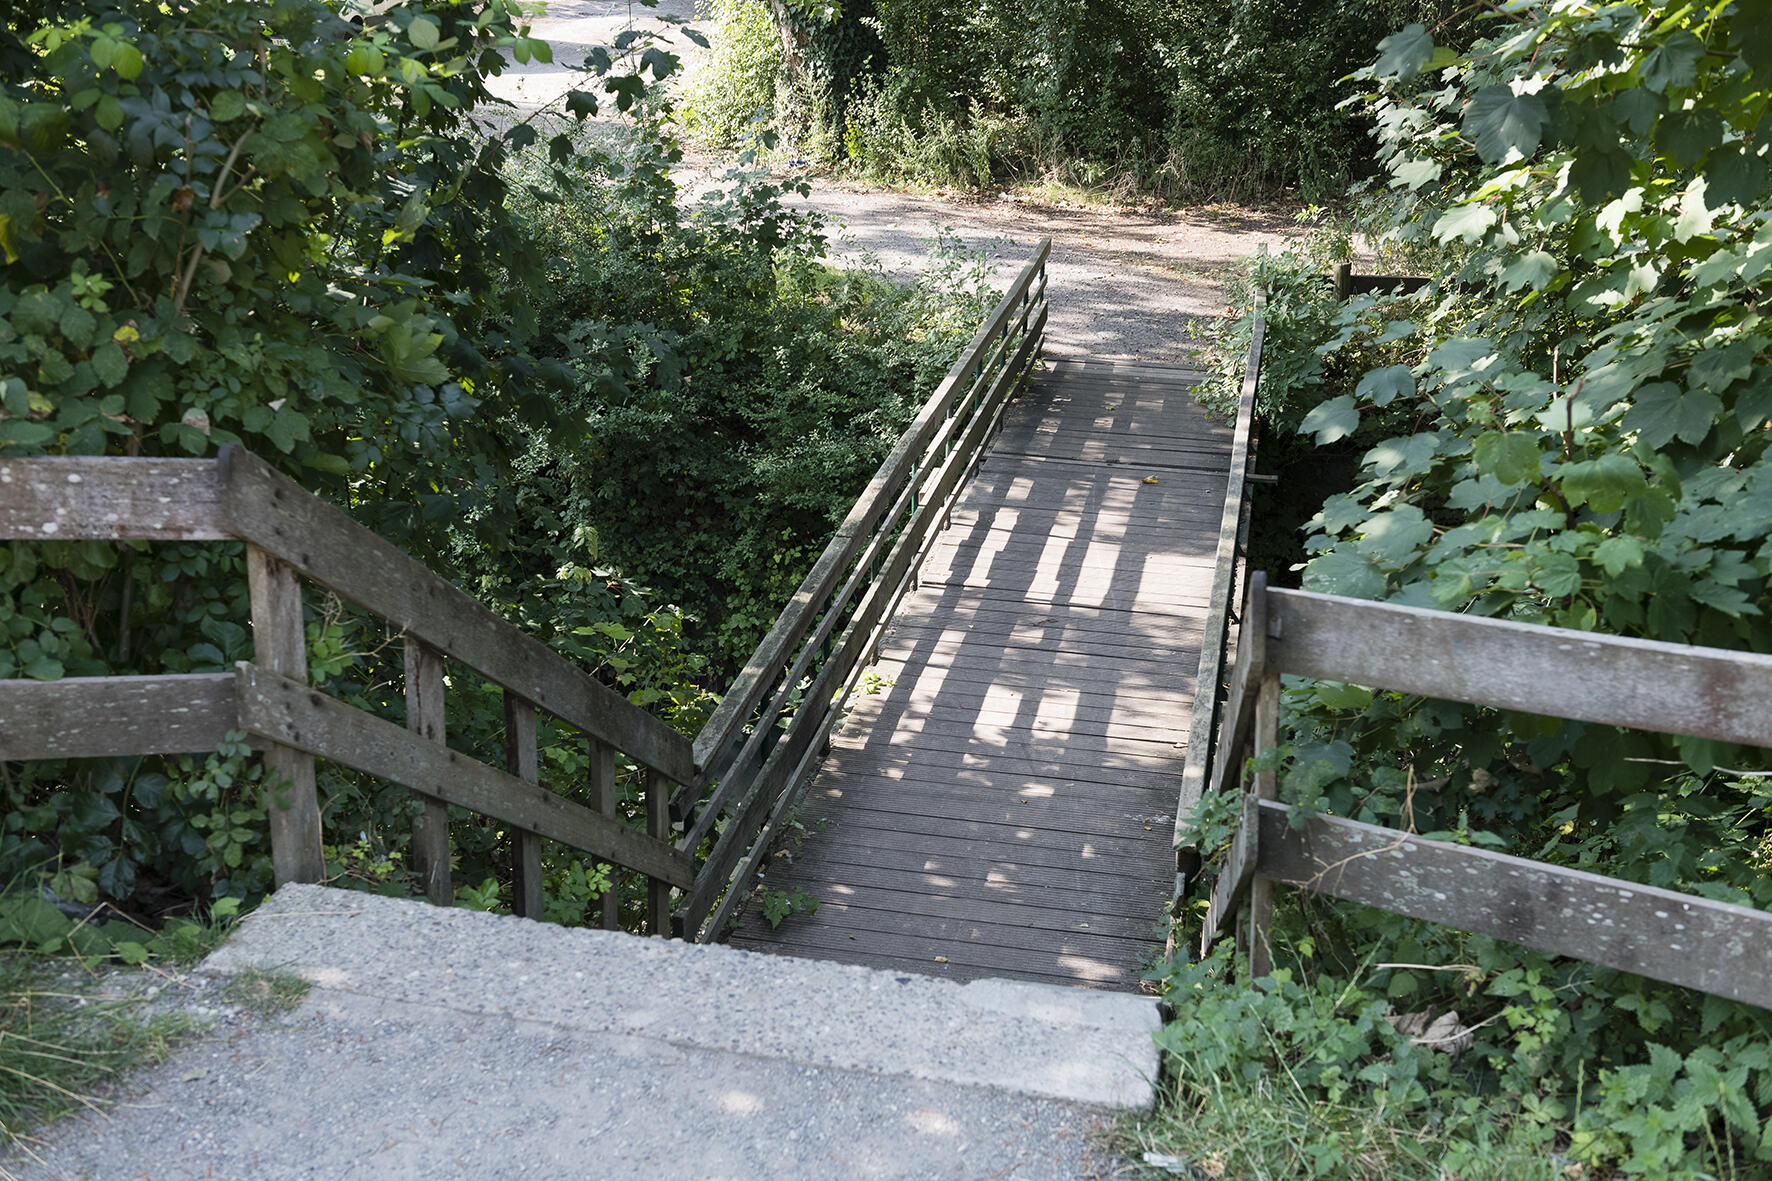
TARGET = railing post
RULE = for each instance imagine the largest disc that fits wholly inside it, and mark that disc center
(522, 760)
(424, 717)
(602, 786)
(658, 824)
(279, 641)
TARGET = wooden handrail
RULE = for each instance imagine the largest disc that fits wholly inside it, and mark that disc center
(1216, 642)
(290, 532)
(1668, 688)
(748, 770)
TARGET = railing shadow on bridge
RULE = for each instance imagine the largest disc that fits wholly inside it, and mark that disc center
(1719, 694)
(711, 803)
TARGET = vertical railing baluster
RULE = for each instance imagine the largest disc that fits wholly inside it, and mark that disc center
(601, 782)
(658, 824)
(523, 760)
(424, 717)
(279, 641)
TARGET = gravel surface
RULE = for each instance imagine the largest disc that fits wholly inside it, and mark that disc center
(442, 1042)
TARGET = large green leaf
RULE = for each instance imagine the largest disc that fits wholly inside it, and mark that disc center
(1328, 421)
(1504, 125)
(1662, 411)
(1405, 53)
(1510, 456)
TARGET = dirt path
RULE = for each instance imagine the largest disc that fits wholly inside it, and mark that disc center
(1123, 284)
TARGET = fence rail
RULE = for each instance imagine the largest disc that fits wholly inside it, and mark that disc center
(731, 785)
(1669, 688)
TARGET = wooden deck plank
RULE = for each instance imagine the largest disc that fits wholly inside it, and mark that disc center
(1000, 798)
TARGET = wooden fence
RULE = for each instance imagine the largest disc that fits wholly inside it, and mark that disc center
(733, 783)
(1712, 693)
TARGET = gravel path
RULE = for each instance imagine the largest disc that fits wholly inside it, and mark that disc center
(1123, 284)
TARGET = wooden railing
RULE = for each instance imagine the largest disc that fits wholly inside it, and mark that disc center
(750, 767)
(1710, 693)
(733, 784)
(1218, 642)
(291, 534)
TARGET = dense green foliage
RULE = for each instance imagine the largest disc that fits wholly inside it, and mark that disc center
(1568, 426)
(502, 342)
(1191, 99)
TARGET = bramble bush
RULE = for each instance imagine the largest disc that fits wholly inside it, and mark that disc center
(1569, 426)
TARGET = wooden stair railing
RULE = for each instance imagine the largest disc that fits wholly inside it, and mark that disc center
(750, 767)
(290, 534)
(729, 788)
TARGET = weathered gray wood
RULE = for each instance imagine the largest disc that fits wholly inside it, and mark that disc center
(279, 640)
(601, 784)
(1263, 787)
(97, 717)
(1239, 869)
(1643, 684)
(1677, 938)
(289, 712)
(658, 826)
(720, 735)
(1246, 678)
(324, 543)
(65, 498)
(425, 710)
(1202, 739)
(522, 760)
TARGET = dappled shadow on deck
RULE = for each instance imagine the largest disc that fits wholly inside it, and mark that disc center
(1000, 801)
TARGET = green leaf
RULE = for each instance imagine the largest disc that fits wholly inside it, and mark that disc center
(110, 364)
(1396, 537)
(1468, 223)
(227, 106)
(1335, 695)
(1382, 386)
(1662, 412)
(1510, 456)
(1674, 63)
(1604, 484)
(1344, 571)
(1601, 175)
(1716, 369)
(423, 33)
(1505, 126)
(1618, 554)
(1335, 419)
(1404, 54)
(1555, 573)
(1535, 270)
(109, 113)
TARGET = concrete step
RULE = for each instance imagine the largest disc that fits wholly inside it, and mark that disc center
(443, 1042)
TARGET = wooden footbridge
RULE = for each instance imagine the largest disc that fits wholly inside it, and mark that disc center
(1000, 800)
(967, 735)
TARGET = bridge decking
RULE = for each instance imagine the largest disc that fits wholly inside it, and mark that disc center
(1001, 804)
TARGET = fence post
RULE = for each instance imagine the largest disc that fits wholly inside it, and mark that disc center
(279, 642)
(602, 786)
(1261, 890)
(424, 717)
(522, 760)
(658, 824)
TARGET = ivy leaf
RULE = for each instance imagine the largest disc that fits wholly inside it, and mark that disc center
(1335, 419)
(1382, 386)
(1504, 125)
(1510, 456)
(1404, 54)
(1662, 411)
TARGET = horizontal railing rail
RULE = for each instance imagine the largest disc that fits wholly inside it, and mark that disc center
(1668, 688)
(727, 789)
(749, 766)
